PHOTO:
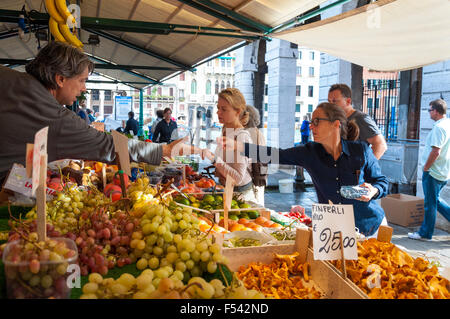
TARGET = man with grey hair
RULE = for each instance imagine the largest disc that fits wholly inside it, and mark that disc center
(34, 100)
(435, 162)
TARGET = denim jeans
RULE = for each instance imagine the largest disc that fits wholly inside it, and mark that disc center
(431, 190)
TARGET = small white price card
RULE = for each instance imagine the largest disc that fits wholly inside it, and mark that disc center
(328, 222)
(39, 148)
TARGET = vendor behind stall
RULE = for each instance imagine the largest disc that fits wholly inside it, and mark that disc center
(33, 100)
(333, 160)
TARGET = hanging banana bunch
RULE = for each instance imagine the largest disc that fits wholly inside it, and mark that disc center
(59, 15)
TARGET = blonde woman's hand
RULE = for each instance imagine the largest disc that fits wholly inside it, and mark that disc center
(229, 144)
(206, 153)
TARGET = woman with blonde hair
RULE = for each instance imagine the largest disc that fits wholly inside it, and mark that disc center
(232, 113)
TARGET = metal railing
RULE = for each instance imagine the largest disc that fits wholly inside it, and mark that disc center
(380, 101)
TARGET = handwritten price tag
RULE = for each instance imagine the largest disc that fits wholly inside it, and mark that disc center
(329, 221)
(39, 148)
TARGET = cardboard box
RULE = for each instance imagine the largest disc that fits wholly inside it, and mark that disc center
(404, 210)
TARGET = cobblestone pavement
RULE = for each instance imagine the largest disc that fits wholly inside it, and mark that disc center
(437, 250)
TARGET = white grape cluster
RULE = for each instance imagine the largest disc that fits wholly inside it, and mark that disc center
(169, 236)
(64, 211)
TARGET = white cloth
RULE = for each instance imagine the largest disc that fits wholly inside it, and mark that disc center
(388, 35)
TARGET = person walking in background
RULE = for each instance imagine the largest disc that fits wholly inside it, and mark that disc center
(159, 117)
(435, 161)
(82, 112)
(90, 116)
(259, 170)
(132, 124)
(304, 130)
(166, 128)
(341, 95)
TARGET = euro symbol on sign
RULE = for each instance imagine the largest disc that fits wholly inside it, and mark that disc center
(314, 228)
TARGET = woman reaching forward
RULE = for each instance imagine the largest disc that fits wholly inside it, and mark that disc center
(333, 160)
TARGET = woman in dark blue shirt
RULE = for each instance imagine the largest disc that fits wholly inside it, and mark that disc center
(332, 161)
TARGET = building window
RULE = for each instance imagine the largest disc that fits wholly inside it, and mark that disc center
(182, 77)
(228, 84)
(265, 107)
(310, 107)
(266, 89)
(299, 70)
(208, 87)
(311, 71)
(181, 107)
(222, 63)
(216, 87)
(297, 107)
(209, 63)
(95, 95)
(108, 95)
(96, 108)
(298, 90)
(170, 91)
(194, 87)
(311, 55)
(228, 63)
(181, 93)
(149, 91)
(160, 91)
(107, 109)
(299, 54)
(222, 85)
(149, 105)
(310, 91)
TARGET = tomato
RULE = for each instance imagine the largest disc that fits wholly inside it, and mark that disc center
(115, 196)
(126, 179)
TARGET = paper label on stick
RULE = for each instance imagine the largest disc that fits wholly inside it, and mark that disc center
(121, 148)
(327, 221)
(39, 148)
(19, 182)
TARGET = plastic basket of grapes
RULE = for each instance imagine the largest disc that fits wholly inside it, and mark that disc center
(39, 270)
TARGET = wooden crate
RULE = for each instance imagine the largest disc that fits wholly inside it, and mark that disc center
(324, 276)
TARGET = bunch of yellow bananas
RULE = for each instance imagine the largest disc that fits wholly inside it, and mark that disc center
(59, 15)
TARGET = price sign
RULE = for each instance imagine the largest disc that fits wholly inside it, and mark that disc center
(329, 222)
(39, 148)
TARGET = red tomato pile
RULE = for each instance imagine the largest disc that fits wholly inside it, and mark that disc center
(298, 212)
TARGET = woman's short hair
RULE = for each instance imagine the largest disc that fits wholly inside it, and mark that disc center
(349, 129)
(167, 109)
(58, 58)
(236, 99)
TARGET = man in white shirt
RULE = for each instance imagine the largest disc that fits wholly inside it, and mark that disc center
(436, 169)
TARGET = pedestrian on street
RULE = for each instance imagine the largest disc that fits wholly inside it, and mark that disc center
(304, 130)
(333, 160)
(341, 95)
(166, 128)
(90, 116)
(435, 161)
(132, 124)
